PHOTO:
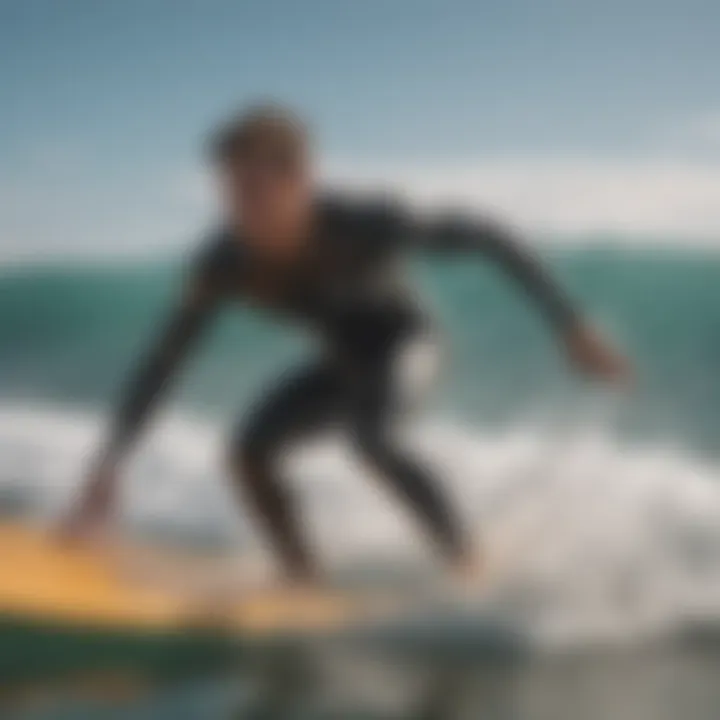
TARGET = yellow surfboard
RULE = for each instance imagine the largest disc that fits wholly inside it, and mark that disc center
(118, 586)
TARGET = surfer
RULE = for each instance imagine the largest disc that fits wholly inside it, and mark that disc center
(332, 264)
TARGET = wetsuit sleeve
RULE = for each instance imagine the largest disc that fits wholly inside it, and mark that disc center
(453, 234)
(176, 336)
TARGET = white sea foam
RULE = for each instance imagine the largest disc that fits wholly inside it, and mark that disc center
(592, 539)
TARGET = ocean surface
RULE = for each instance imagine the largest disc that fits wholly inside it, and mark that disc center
(604, 504)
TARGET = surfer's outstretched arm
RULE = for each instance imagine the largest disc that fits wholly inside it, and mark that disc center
(455, 233)
(156, 369)
(198, 302)
(96, 499)
(452, 234)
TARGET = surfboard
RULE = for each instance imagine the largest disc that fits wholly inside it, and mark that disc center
(121, 586)
(116, 609)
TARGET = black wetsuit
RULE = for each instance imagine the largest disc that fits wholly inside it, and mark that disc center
(347, 287)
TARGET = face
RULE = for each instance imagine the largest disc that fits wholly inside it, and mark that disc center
(268, 192)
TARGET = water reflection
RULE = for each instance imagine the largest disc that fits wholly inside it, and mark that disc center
(653, 683)
(330, 681)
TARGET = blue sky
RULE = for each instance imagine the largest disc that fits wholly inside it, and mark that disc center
(607, 112)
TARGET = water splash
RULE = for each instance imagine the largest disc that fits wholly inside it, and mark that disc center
(595, 541)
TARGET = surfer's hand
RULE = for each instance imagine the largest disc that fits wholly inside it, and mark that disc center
(93, 509)
(591, 354)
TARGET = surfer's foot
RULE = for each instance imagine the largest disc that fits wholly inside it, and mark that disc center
(302, 574)
(467, 572)
(302, 584)
(80, 531)
(264, 584)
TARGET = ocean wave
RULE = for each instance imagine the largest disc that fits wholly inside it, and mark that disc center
(592, 540)
(69, 335)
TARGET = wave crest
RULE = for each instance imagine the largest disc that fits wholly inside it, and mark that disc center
(593, 539)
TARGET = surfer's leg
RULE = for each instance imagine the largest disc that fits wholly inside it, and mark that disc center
(374, 413)
(302, 403)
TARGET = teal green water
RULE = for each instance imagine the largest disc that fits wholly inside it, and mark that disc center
(70, 334)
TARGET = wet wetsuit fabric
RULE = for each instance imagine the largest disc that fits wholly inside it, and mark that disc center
(347, 287)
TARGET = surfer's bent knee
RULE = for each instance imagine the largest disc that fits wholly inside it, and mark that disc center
(370, 442)
(250, 456)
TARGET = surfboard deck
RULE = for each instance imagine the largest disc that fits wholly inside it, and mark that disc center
(76, 610)
(109, 587)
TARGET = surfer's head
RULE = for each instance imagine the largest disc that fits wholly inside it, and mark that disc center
(263, 158)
